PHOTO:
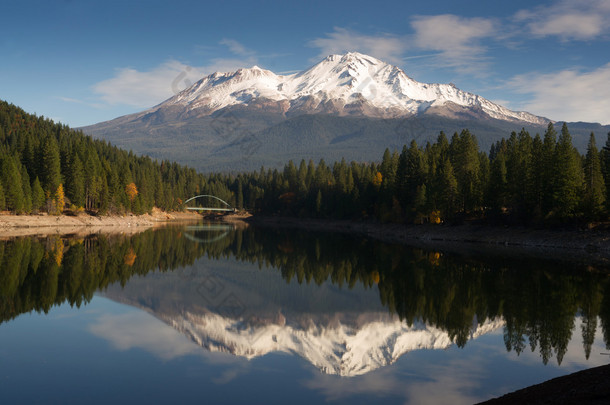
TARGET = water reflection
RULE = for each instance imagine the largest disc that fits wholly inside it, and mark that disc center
(347, 305)
(250, 313)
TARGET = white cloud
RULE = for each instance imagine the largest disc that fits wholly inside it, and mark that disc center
(432, 383)
(458, 39)
(140, 330)
(570, 95)
(385, 47)
(147, 88)
(143, 89)
(455, 42)
(236, 47)
(568, 19)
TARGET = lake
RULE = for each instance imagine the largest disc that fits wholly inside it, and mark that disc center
(209, 313)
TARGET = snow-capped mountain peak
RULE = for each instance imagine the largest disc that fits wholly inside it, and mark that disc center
(349, 84)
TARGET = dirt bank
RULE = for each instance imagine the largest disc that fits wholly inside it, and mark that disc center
(30, 225)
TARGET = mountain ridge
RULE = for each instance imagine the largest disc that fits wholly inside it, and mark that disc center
(349, 84)
(348, 106)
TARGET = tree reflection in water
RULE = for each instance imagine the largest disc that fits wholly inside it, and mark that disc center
(538, 299)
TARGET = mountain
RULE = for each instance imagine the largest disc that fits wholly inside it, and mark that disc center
(351, 106)
(346, 85)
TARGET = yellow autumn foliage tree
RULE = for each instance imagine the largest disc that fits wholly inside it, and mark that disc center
(378, 179)
(132, 191)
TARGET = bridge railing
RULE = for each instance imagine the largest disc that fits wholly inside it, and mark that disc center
(227, 209)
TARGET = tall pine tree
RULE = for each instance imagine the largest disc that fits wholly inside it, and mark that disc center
(594, 195)
(568, 177)
(50, 166)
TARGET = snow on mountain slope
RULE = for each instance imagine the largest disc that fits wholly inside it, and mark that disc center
(339, 348)
(340, 84)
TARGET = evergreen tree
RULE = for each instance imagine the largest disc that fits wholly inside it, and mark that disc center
(51, 165)
(498, 184)
(449, 185)
(464, 154)
(414, 177)
(535, 177)
(27, 190)
(38, 197)
(240, 195)
(594, 196)
(12, 184)
(568, 177)
(2, 198)
(606, 171)
(75, 181)
(548, 167)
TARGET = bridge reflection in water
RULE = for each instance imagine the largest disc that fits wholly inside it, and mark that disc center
(213, 232)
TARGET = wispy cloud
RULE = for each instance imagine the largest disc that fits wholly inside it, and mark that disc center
(236, 47)
(387, 47)
(433, 384)
(146, 88)
(568, 19)
(458, 40)
(454, 42)
(140, 330)
(142, 89)
(570, 95)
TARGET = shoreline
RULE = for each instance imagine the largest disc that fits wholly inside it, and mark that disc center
(40, 225)
(593, 241)
(590, 247)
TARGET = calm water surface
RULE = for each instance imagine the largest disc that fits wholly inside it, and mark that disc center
(212, 314)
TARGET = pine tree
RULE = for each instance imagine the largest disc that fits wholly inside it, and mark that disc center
(606, 171)
(51, 165)
(38, 197)
(240, 195)
(75, 181)
(568, 177)
(464, 155)
(449, 185)
(535, 177)
(27, 190)
(548, 168)
(2, 198)
(594, 196)
(414, 176)
(12, 183)
(498, 184)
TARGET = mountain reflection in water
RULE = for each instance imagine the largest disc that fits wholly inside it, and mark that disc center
(347, 305)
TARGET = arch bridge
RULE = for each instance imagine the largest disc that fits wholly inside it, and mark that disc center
(227, 208)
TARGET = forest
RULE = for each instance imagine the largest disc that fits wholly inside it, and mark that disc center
(48, 167)
(523, 179)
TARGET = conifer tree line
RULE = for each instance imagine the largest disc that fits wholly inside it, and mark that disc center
(48, 167)
(523, 179)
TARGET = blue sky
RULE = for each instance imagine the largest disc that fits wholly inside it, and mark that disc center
(82, 62)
